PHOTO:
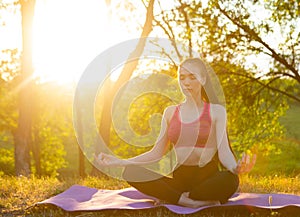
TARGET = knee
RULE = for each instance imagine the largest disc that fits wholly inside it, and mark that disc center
(135, 173)
(232, 183)
(234, 178)
(129, 173)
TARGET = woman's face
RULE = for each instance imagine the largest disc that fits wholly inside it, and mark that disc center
(190, 81)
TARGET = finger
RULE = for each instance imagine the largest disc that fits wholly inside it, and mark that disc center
(254, 158)
(100, 156)
(244, 158)
(247, 159)
(239, 170)
(243, 165)
(238, 166)
(104, 161)
(253, 161)
(103, 156)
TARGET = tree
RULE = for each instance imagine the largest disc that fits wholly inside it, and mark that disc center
(22, 135)
(9, 70)
(273, 38)
(111, 88)
(232, 31)
(227, 44)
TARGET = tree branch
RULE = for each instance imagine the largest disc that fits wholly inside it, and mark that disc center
(256, 37)
(188, 27)
(267, 86)
(169, 32)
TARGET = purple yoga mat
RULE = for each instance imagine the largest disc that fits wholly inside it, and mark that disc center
(81, 198)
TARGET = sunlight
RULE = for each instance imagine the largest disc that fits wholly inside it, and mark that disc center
(68, 35)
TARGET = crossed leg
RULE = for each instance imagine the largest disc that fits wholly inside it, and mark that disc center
(220, 186)
(214, 189)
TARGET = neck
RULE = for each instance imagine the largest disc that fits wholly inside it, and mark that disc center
(194, 101)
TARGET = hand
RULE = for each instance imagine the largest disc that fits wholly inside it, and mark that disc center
(245, 164)
(104, 159)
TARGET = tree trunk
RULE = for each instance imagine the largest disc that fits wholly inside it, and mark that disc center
(81, 166)
(36, 151)
(105, 123)
(22, 135)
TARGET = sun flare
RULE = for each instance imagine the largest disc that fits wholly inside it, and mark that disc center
(67, 36)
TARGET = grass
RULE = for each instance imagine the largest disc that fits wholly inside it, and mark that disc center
(18, 197)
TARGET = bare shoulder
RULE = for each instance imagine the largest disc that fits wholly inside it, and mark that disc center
(169, 111)
(218, 111)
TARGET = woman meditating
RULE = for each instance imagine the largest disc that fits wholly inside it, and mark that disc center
(196, 128)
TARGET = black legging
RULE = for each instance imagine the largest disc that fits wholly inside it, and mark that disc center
(203, 183)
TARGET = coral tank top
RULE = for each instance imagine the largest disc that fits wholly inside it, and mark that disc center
(201, 126)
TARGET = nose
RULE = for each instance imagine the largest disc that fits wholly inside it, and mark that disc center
(186, 82)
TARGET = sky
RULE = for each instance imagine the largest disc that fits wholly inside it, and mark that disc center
(67, 36)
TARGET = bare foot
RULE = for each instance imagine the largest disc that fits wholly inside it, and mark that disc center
(157, 202)
(184, 200)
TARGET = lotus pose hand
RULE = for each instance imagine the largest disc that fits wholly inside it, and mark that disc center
(104, 159)
(245, 164)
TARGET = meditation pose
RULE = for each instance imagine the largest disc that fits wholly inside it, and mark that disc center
(196, 129)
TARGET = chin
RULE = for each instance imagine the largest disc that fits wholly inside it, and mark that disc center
(188, 94)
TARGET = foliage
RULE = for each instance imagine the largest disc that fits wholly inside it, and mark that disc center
(53, 129)
(144, 113)
(229, 37)
(270, 42)
(259, 79)
(49, 131)
(253, 112)
(6, 161)
(53, 125)
(9, 71)
(270, 159)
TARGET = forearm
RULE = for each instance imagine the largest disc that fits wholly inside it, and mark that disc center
(145, 158)
(152, 156)
(228, 161)
(227, 157)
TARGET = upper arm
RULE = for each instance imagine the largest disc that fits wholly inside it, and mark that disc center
(225, 153)
(220, 120)
(162, 141)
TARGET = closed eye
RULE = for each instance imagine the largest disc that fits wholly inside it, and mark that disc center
(192, 77)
